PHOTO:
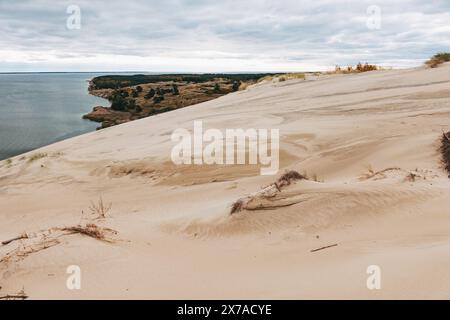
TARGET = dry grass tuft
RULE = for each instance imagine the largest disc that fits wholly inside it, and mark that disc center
(295, 76)
(244, 86)
(267, 78)
(288, 177)
(24, 250)
(100, 209)
(356, 69)
(411, 177)
(270, 191)
(445, 150)
(283, 77)
(237, 206)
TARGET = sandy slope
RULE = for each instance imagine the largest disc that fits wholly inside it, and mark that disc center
(176, 238)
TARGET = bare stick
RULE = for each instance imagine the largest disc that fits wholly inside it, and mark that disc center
(19, 296)
(326, 247)
(22, 236)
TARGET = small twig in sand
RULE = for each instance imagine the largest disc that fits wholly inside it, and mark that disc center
(22, 236)
(326, 247)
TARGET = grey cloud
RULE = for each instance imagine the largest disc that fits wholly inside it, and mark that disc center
(253, 32)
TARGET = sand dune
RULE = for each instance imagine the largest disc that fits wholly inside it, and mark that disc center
(368, 142)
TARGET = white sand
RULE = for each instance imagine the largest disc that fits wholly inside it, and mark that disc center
(176, 238)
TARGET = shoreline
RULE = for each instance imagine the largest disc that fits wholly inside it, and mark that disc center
(48, 113)
(158, 93)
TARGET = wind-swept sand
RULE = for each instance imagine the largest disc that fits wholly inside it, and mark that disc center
(372, 139)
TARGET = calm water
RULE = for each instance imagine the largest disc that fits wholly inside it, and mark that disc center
(39, 109)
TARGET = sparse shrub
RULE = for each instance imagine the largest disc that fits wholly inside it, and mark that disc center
(37, 156)
(236, 85)
(118, 102)
(150, 94)
(131, 104)
(216, 88)
(368, 67)
(358, 68)
(175, 89)
(139, 89)
(158, 98)
(135, 94)
(438, 59)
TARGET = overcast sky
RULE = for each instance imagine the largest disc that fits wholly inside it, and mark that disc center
(216, 36)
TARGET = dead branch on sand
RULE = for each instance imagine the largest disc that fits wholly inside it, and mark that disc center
(326, 247)
(23, 251)
(14, 297)
(50, 238)
(21, 295)
(22, 236)
(379, 174)
(91, 230)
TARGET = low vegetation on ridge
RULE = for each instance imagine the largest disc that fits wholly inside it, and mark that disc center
(438, 59)
(356, 69)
